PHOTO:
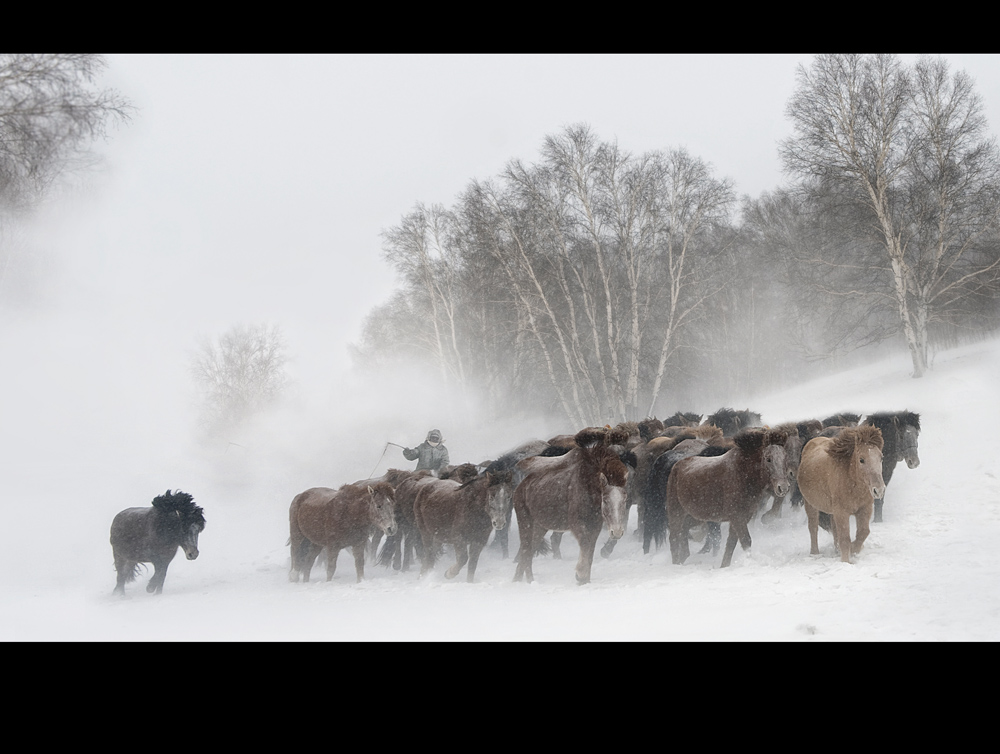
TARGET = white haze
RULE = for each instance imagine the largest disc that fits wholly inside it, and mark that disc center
(253, 189)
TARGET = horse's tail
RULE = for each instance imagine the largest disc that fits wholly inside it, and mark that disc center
(652, 502)
(543, 547)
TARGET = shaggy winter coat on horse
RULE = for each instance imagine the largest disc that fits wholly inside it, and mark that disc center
(842, 476)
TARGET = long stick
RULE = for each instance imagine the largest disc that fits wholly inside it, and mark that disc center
(379, 460)
(383, 456)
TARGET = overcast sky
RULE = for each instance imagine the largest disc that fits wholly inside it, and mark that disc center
(254, 188)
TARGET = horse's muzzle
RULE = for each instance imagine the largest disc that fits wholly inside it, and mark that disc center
(616, 533)
(390, 531)
(191, 554)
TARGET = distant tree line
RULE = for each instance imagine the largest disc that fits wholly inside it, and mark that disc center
(602, 285)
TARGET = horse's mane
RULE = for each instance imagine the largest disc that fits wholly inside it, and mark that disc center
(884, 419)
(752, 439)
(806, 430)
(396, 476)
(841, 420)
(843, 445)
(650, 428)
(594, 436)
(182, 503)
(383, 488)
(463, 473)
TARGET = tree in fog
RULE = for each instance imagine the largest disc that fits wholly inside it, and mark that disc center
(902, 152)
(239, 374)
(566, 283)
(51, 111)
(422, 249)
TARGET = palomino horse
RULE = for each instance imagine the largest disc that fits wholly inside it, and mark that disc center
(577, 492)
(152, 535)
(323, 517)
(842, 476)
(462, 514)
(900, 431)
(728, 487)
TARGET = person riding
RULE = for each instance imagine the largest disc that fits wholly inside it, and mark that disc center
(430, 454)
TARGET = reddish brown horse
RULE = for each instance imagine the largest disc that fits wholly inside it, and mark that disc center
(399, 548)
(728, 487)
(577, 492)
(323, 517)
(462, 514)
(842, 476)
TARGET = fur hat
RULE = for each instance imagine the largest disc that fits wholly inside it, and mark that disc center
(434, 435)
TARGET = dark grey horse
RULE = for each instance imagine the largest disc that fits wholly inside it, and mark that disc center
(152, 535)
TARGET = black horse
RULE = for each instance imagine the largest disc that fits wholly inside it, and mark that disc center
(900, 430)
(152, 535)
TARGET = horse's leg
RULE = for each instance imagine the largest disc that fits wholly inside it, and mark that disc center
(588, 543)
(609, 547)
(123, 569)
(159, 574)
(842, 533)
(713, 538)
(774, 511)
(376, 538)
(475, 548)
(428, 554)
(526, 550)
(556, 542)
(862, 517)
(878, 510)
(738, 530)
(731, 541)
(812, 519)
(678, 532)
(359, 561)
(331, 561)
(461, 558)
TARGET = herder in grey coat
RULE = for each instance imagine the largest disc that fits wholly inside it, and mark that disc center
(430, 454)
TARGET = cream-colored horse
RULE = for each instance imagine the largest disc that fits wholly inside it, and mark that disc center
(842, 476)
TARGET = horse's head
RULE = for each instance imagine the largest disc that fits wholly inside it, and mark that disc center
(867, 458)
(382, 507)
(614, 507)
(906, 449)
(798, 435)
(190, 529)
(498, 497)
(181, 520)
(775, 458)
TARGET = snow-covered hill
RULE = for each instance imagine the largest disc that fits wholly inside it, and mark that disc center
(929, 572)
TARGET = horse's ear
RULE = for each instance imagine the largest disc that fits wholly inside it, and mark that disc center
(370, 490)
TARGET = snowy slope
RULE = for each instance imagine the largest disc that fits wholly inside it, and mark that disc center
(929, 572)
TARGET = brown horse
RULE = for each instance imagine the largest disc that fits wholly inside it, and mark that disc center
(728, 487)
(462, 514)
(577, 492)
(842, 476)
(799, 433)
(399, 548)
(323, 517)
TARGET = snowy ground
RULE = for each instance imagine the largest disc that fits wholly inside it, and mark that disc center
(929, 572)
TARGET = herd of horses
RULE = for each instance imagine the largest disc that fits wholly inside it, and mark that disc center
(682, 473)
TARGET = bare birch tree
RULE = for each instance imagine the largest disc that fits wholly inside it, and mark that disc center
(239, 374)
(909, 145)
